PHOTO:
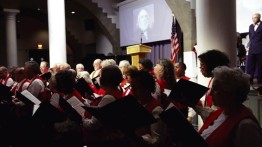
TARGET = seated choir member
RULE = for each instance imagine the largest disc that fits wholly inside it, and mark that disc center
(123, 64)
(5, 77)
(64, 66)
(96, 133)
(165, 77)
(146, 65)
(68, 132)
(44, 67)
(208, 61)
(79, 67)
(36, 86)
(180, 71)
(143, 85)
(232, 124)
(97, 68)
(21, 82)
(127, 89)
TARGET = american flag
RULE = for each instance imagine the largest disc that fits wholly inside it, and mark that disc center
(174, 43)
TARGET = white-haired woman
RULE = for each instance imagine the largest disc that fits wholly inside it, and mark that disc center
(233, 124)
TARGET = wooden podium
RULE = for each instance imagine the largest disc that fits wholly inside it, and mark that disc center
(137, 52)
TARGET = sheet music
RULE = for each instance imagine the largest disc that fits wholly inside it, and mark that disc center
(97, 95)
(55, 100)
(31, 97)
(167, 92)
(35, 108)
(77, 105)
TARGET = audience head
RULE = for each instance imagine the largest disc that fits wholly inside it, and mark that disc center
(128, 71)
(108, 62)
(212, 59)
(74, 73)
(97, 64)
(146, 65)
(3, 72)
(11, 71)
(65, 81)
(165, 69)
(56, 68)
(230, 86)
(143, 85)
(123, 64)
(79, 67)
(111, 77)
(19, 74)
(65, 66)
(31, 69)
(44, 67)
(85, 75)
(180, 69)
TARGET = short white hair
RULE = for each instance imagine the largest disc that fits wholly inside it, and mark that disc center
(97, 61)
(79, 65)
(124, 63)
(108, 62)
(85, 75)
(44, 63)
(234, 80)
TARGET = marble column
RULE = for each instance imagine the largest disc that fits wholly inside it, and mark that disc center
(11, 40)
(57, 32)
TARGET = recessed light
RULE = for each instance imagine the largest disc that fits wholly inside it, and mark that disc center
(38, 9)
(73, 12)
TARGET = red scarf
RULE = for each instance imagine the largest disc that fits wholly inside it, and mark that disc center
(5, 80)
(208, 98)
(20, 88)
(224, 135)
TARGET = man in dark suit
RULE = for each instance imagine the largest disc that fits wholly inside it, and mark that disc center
(254, 60)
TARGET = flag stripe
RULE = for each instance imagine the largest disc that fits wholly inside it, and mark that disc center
(174, 42)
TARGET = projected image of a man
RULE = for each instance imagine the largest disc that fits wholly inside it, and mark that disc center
(143, 22)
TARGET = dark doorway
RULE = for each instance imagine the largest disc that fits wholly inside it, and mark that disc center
(39, 55)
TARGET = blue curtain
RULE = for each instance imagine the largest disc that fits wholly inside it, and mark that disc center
(159, 50)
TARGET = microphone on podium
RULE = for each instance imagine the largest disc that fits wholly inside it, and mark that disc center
(141, 37)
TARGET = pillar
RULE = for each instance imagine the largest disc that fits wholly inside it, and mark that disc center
(11, 40)
(57, 34)
(216, 29)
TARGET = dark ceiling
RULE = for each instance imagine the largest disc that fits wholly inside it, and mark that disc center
(39, 7)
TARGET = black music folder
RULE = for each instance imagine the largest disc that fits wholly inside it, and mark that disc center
(125, 114)
(188, 92)
(69, 110)
(5, 92)
(94, 80)
(259, 89)
(46, 76)
(82, 87)
(48, 113)
(23, 98)
(181, 129)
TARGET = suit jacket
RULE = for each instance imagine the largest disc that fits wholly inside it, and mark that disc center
(255, 39)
